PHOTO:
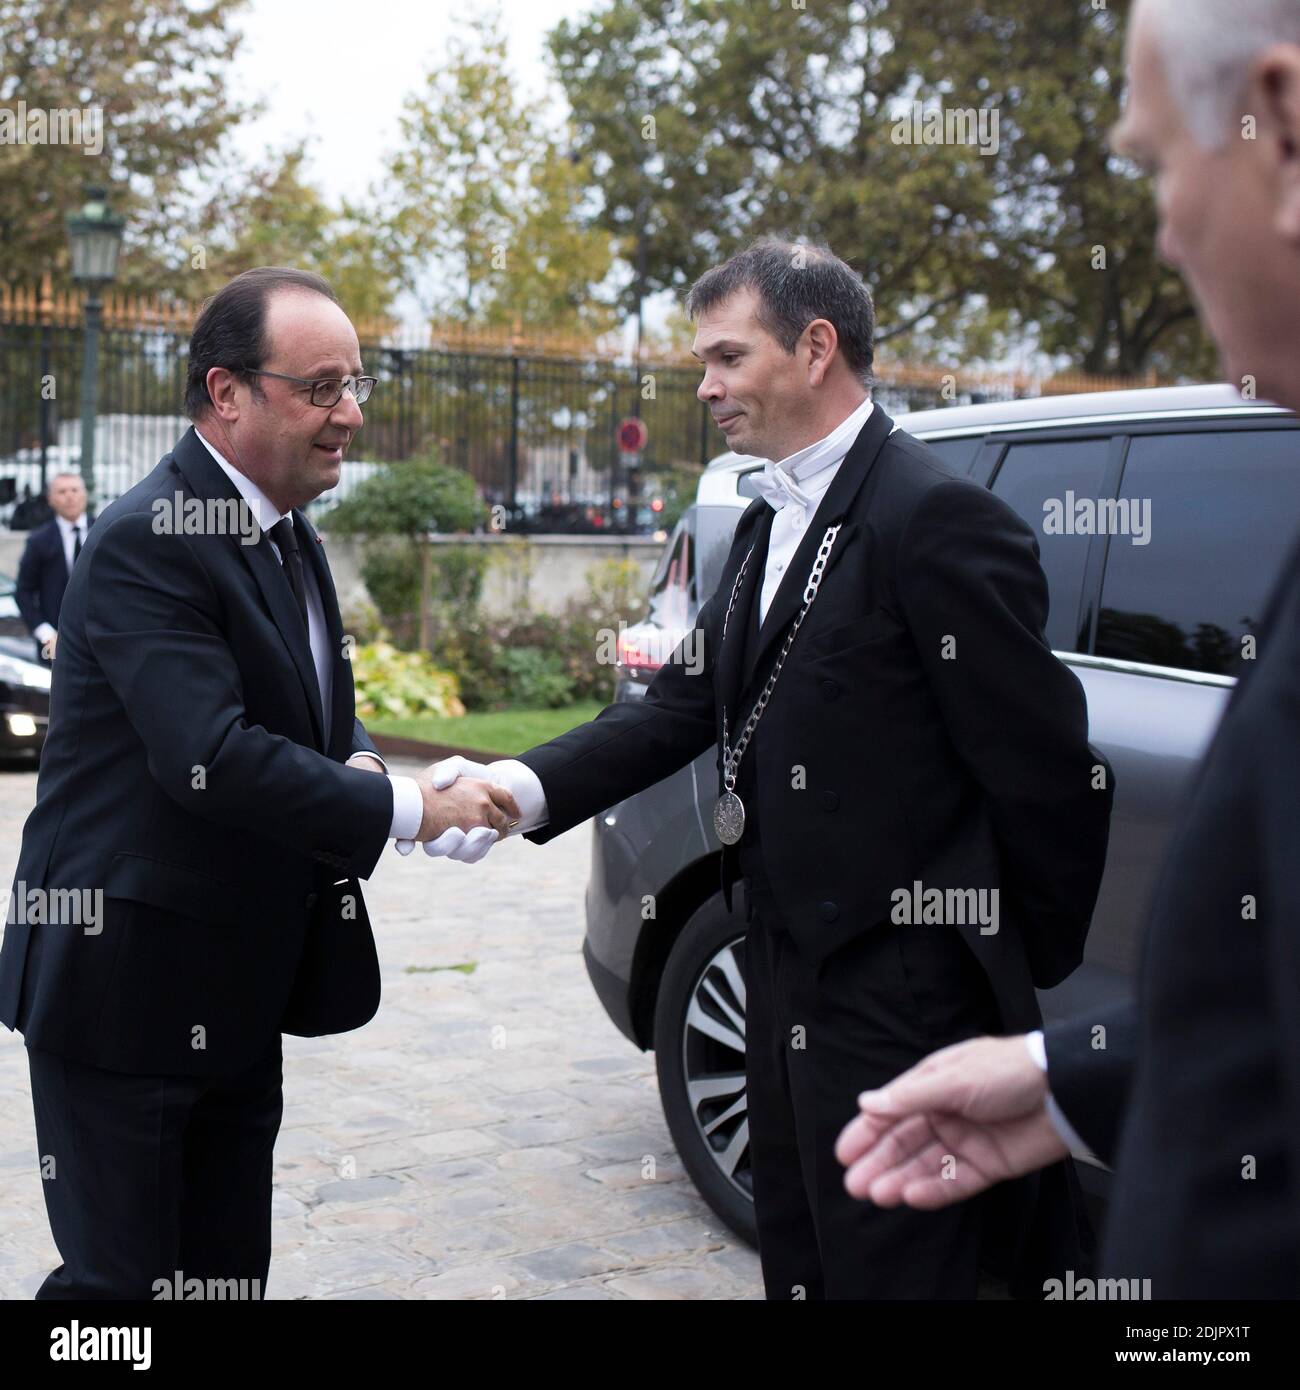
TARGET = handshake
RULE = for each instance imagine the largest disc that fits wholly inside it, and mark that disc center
(467, 807)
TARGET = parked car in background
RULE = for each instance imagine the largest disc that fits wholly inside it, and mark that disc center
(1153, 620)
(24, 682)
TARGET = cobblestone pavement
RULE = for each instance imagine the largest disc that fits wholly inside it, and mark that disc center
(490, 1134)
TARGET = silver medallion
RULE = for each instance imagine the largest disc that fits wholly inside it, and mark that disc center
(729, 818)
(729, 813)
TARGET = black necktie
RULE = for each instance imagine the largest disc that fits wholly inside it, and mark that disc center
(283, 534)
(76, 543)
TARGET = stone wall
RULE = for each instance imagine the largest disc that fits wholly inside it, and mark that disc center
(547, 570)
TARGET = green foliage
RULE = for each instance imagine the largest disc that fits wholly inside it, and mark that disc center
(395, 684)
(458, 572)
(498, 733)
(390, 568)
(531, 660)
(157, 69)
(481, 203)
(274, 216)
(534, 677)
(615, 590)
(409, 499)
(781, 119)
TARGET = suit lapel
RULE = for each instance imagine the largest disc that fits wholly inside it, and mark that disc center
(756, 528)
(342, 699)
(844, 488)
(207, 479)
(58, 553)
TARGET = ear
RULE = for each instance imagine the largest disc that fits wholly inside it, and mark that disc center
(823, 346)
(221, 387)
(1276, 79)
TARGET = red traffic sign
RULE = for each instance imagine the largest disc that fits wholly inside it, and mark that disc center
(632, 435)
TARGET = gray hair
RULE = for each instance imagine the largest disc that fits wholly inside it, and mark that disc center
(62, 473)
(1208, 46)
(795, 284)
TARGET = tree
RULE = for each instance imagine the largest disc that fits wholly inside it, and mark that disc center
(156, 68)
(1075, 223)
(409, 500)
(708, 123)
(277, 217)
(482, 202)
(557, 262)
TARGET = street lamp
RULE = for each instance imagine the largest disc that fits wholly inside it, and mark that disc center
(94, 240)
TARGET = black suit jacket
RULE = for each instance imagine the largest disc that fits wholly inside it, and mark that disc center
(43, 576)
(1193, 1093)
(921, 730)
(188, 777)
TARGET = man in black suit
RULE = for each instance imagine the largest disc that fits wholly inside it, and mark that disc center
(48, 557)
(187, 888)
(1192, 1092)
(919, 751)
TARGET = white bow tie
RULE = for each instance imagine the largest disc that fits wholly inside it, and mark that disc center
(778, 488)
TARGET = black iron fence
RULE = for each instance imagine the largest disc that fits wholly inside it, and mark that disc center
(538, 432)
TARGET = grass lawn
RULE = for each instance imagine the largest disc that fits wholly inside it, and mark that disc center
(504, 732)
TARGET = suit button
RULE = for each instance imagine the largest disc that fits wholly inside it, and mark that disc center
(829, 912)
(310, 901)
(830, 689)
(830, 802)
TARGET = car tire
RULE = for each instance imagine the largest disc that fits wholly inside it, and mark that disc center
(699, 1017)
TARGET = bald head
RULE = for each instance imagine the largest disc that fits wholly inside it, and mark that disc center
(1213, 112)
(1208, 47)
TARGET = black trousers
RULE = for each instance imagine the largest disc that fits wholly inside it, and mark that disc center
(145, 1176)
(817, 1036)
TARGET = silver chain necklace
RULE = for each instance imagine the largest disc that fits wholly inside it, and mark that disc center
(729, 813)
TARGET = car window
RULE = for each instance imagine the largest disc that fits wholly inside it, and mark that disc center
(714, 529)
(673, 598)
(1043, 480)
(1221, 510)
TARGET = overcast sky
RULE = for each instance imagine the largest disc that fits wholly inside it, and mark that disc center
(338, 70)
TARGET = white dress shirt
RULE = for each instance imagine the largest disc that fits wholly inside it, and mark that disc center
(1038, 1051)
(801, 481)
(68, 531)
(408, 801)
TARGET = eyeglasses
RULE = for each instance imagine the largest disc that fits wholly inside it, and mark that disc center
(326, 391)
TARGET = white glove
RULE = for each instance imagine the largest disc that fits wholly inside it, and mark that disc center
(468, 847)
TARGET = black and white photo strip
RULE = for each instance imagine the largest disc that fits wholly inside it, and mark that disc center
(650, 651)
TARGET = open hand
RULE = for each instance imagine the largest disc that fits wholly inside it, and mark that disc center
(953, 1125)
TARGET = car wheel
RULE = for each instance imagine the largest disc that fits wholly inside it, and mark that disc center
(700, 1057)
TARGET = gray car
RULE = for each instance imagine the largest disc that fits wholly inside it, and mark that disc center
(1163, 517)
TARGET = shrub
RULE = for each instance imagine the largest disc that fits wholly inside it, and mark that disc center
(535, 679)
(394, 684)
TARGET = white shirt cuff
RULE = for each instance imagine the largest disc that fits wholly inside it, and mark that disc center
(42, 632)
(366, 753)
(526, 787)
(1038, 1051)
(408, 808)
